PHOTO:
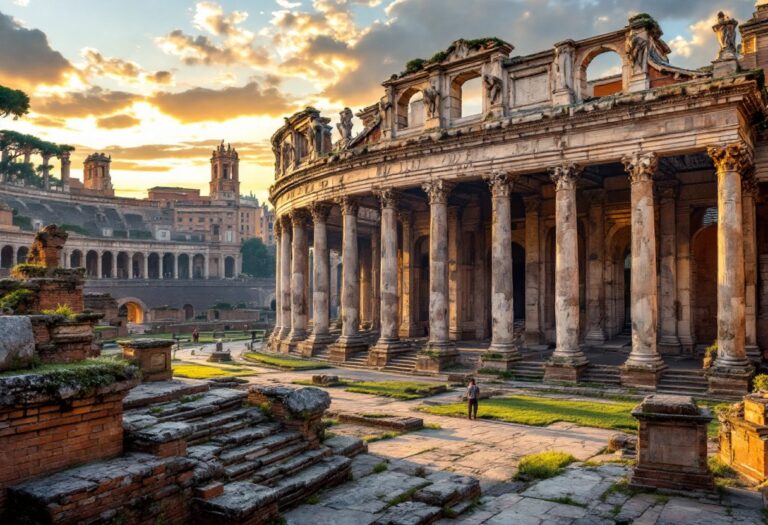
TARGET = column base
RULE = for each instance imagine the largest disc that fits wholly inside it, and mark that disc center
(380, 354)
(436, 357)
(642, 377)
(566, 369)
(500, 357)
(345, 347)
(314, 344)
(729, 380)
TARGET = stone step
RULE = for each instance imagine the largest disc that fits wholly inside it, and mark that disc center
(163, 391)
(684, 381)
(324, 474)
(249, 457)
(226, 422)
(681, 390)
(196, 406)
(286, 464)
(241, 502)
(247, 469)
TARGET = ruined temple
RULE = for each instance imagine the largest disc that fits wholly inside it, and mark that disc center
(568, 222)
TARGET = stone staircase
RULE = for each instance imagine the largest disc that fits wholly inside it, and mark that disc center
(232, 461)
(602, 374)
(528, 370)
(404, 363)
(358, 360)
(683, 382)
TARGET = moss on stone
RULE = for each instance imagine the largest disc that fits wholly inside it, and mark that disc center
(18, 301)
(28, 271)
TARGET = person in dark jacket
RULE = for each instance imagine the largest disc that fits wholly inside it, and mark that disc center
(473, 395)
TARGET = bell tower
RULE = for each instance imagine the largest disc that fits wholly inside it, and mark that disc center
(225, 175)
(96, 176)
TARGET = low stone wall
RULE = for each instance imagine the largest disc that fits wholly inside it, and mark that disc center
(62, 340)
(55, 420)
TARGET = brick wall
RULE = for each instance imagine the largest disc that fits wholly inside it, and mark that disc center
(48, 435)
(53, 292)
(60, 341)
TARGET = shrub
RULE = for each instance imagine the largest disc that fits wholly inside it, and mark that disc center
(28, 271)
(543, 465)
(710, 354)
(760, 383)
(61, 309)
(19, 301)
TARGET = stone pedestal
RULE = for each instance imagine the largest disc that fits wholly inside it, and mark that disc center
(220, 355)
(672, 445)
(499, 360)
(436, 357)
(639, 377)
(564, 372)
(384, 350)
(744, 438)
(153, 357)
(723, 381)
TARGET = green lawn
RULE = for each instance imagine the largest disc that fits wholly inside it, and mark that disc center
(543, 465)
(283, 362)
(395, 389)
(542, 411)
(201, 371)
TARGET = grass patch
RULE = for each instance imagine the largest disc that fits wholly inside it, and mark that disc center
(432, 426)
(395, 389)
(284, 363)
(198, 371)
(407, 495)
(621, 486)
(378, 468)
(539, 411)
(314, 499)
(370, 438)
(724, 475)
(543, 465)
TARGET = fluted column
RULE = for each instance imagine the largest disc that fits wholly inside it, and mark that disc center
(749, 191)
(532, 264)
(731, 370)
(668, 340)
(299, 257)
(275, 338)
(595, 331)
(285, 276)
(321, 282)
(644, 364)
(440, 351)
(568, 360)
(502, 298)
(350, 340)
(389, 340)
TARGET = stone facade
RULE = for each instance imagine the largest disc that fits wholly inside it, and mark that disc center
(625, 204)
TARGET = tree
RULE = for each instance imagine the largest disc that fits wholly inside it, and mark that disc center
(13, 102)
(258, 260)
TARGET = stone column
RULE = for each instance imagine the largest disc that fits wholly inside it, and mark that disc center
(274, 339)
(113, 265)
(350, 341)
(749, 191)
(644, 366)
(407, 326)
(389, 342)
(190, 267)
(481, 295)
(440, 351)
(568, 361)
(206, 266)
(669, 343)
(731, 371)
(146, 266)
(503, 350)
(99, 275)
(684, 330)
(532, 264)
(321, 282)
(285, 276)
(595, 329)
(454, 321)
(376, 280)
(335, 308)
(299, 255)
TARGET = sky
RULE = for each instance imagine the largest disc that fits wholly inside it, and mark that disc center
(157, 84)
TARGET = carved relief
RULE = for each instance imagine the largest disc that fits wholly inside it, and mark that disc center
(345, 125)
(640, 166)
(320, 211)
(299, 217)
(493, 88)
(349, 205)
(636, 47)
(563, 66)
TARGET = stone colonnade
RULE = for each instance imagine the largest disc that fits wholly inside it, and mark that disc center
(644, 366)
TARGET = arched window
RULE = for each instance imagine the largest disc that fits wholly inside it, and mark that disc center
(601, 73)
(410, 109)
(466, 95)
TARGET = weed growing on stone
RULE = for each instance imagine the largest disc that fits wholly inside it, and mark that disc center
(378, 468)
(543, 465)
(314, 499)
(370, 438)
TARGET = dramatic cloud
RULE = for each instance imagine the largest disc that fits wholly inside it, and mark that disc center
(125, 70)
(92, 102)
(237, 45)
(202, 104)
(26, 58)
(118, 122)
(118, 164)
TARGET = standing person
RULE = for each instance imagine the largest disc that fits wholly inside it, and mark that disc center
(195, 335)
(473, 395)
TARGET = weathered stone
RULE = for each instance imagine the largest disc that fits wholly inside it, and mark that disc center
(409, 513)
(17, 342)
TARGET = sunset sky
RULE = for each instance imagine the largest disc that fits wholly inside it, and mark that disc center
(157, 83)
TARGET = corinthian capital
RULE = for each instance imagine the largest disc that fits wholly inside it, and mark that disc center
(388, 197)
(640, 166)
(500, 183)
(299, 217)
(437, 190)
(286, 221)
(565, 175)
(349, 205)
(277, 227)
(736, 156)
(320, 211)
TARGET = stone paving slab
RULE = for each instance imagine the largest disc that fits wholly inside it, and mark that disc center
(372, 493)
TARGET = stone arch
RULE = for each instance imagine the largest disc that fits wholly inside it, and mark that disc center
(704, 283)
(189, 311)
(270, 301)
(133, 308)
(92, 264)
(183, 266)
(154, 266)
(198, 266)
(167, 265)
(137, 266)
(76, 259)
(229, 267)
(6, 256)
(21, 255)
(585, 57)
(463, 87)
(123, 266)
(617, 292)
(410, 108)
(106, 264)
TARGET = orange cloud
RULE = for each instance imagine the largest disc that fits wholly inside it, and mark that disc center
(118, 122)
(92, 102)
